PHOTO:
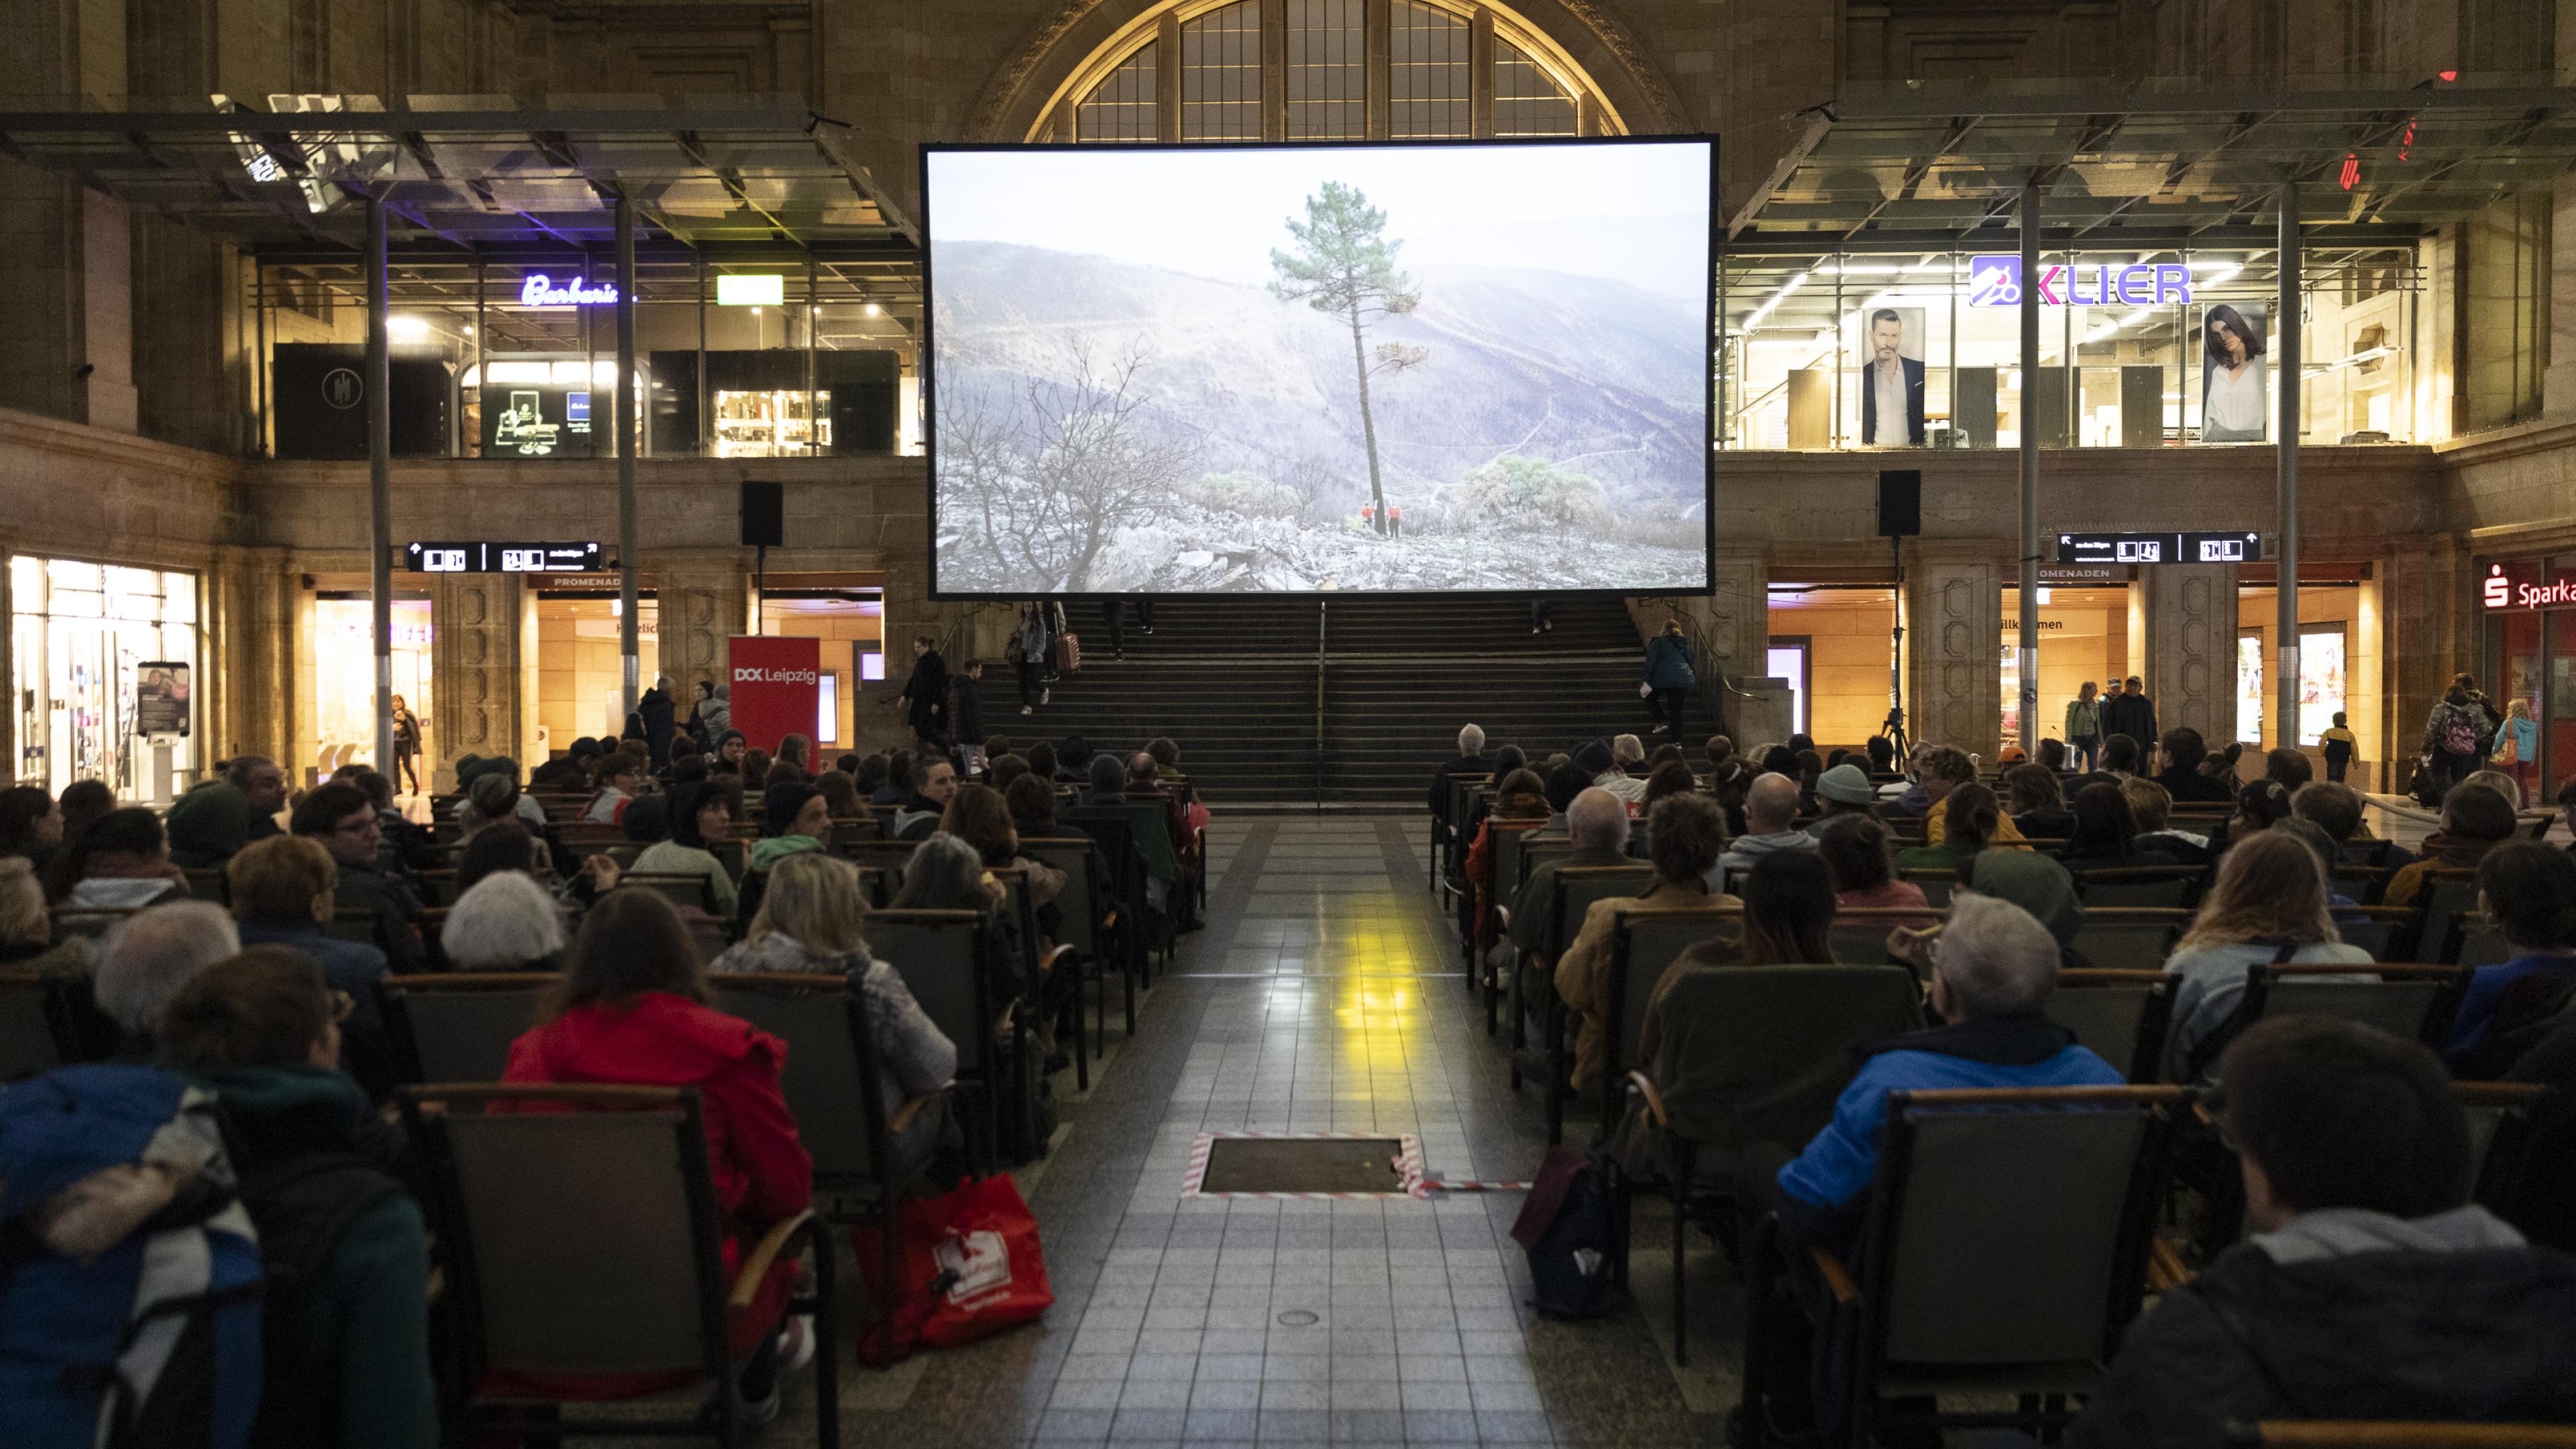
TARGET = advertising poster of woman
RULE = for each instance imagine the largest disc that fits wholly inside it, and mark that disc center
(2233, 391)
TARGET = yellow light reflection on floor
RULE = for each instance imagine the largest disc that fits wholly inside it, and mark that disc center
(1375, 1014)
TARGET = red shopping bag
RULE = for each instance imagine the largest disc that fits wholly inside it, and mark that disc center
(971, 1267)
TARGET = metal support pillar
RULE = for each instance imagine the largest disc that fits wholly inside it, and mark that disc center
(380, 483)
(626, 430)
(2285, 377)
(2028, 651)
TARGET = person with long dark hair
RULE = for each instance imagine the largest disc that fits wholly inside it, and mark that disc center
(2106, 833)
(406, 746)
(2232, 392)
(633, 1009)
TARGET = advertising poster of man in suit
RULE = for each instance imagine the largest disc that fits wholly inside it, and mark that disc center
(1891, 379)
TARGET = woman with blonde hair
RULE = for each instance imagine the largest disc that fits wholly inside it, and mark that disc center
(810, 922)
(2268, 908)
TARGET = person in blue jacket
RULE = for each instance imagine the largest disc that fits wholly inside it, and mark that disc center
(2528, 889)
(1668, 678)
(1992, 974)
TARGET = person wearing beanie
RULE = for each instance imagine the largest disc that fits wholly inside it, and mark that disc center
(568, 772)
(1842, 790)
(795, 818)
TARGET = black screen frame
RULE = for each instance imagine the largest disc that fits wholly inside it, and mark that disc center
(1708, 372)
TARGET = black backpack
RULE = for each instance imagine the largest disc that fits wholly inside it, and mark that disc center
(1570, 1229)
(302, 1205)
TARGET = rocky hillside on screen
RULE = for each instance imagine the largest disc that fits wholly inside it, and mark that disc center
(1113, 427)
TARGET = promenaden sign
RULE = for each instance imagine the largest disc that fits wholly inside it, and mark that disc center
(1995, 281)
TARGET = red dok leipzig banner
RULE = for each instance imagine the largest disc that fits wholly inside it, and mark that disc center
(777, 687)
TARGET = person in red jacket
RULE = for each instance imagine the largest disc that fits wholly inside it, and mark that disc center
(633, 1010)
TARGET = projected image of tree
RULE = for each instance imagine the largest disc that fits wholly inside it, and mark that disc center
(1345, 267)
(1308, 369)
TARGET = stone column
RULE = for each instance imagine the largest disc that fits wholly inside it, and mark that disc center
(2431, 632)
(2558, 384)
(2191, 648)
(1954, 644)
(702, 601)
(1733, 623)
(253, 669)
(474, 673)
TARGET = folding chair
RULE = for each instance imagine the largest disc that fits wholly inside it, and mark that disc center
(1575, 888)
(1452, 838)
(210, 883)
(1021, 908)
(1088, 919)
(1644, 945)
(2119, 1015)
(36, 1034)
(457, 1026)
(2444, 897)
(581, 1237)
(1755, 1054)
(686, 889)
(2128, 938)
(942, 957)
(2474, 942)
(2003, 1248)
(2155, 887)
(95, 922)
(865, 1154)
(2373, 928)
(1859, 937)
(2409, 1002)
(1937, 884)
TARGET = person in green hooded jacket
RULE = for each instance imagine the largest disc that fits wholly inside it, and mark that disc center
(315, 1169)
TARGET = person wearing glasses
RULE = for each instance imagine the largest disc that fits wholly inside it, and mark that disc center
(347, 1342)
(281, 896)
(345, 822)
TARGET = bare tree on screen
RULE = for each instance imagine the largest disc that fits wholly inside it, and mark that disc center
(1345, 266)
(979, 463)
(1092, 470)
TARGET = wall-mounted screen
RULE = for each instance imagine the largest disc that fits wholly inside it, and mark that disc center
(1477, 367)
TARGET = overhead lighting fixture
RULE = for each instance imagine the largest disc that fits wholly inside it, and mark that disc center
(751, 289)
(873, 310)
(404, 327)
(1765, 310)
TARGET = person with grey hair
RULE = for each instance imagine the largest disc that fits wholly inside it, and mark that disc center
(1597, 824)
(152, 954)
(1471, 761)
(1770, 826)
(505, 922)
(1992, 974)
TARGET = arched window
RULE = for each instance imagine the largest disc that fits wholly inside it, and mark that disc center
(1326, 70)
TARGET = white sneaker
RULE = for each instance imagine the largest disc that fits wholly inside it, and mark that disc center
(1045, 695)
(796, 1345)
(1028, 709)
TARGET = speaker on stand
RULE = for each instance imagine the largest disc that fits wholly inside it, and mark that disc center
(1900, 517)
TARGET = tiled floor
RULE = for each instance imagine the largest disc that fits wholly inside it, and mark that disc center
(1324, 996)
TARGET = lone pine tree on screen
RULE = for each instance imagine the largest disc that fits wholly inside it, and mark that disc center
(1345, 266)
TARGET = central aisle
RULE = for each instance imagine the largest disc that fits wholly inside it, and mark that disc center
(1325, 996)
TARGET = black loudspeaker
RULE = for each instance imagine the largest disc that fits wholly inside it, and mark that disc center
(1900, 502)
(764, 515)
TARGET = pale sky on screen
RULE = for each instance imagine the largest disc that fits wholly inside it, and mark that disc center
(1637, 213)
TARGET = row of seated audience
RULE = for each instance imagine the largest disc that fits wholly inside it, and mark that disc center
(255, 1000)
(2370, 1286)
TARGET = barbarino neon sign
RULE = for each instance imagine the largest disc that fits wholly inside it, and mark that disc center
(541, 290)
(1995, 281)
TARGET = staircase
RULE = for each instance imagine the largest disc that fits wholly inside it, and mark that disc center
(1248, 686)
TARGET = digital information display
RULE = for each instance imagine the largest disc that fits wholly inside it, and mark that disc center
(2159, 548)
(503, 558)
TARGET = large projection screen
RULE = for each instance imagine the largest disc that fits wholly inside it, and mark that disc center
(1470, 367)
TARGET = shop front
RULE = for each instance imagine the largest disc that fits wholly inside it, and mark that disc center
(847, 613)
(2529, 603)
(339, 667)
(106, 661)
(581, 671)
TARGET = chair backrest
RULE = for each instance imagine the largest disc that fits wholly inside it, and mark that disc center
(210, 883)
(2128, 938)
(2157, 887)
(2119, 1015)
(1510, 836)
(1937, 883)
(2475, 942)
(458, 1026)
(1082, 897)
(681, 888)
(93, 922)
(29, 1041)
(1463, 790)
(1759, 1053)
(2447, 896)
(578, 1227)
(1645, 945)
(1578, 886)
(352, 925)
(939, 955)
(2011, 1227)
(2373, 928)
(1019, 907)
(2410, 1002)
(888, 855)
(2394, 1434)
(1536, 851)
(830, 1078)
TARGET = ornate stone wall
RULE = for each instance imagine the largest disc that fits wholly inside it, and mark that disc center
(2191, 648)
(1954, 622)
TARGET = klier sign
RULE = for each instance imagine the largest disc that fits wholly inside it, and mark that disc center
(1995, 281)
